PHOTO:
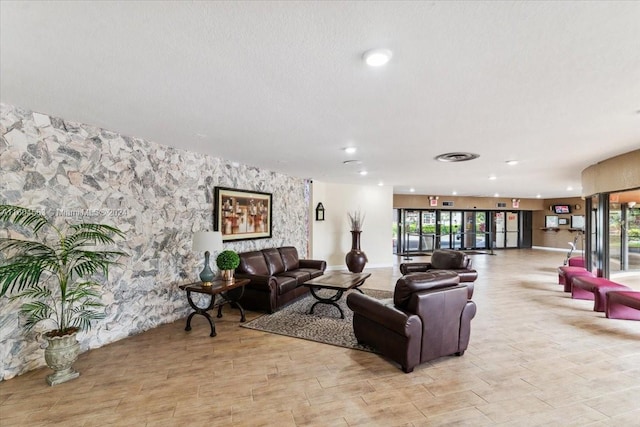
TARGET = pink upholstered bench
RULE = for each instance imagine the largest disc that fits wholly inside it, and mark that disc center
(623, 305)
(576, 261)
(594, 288)
(566, 274)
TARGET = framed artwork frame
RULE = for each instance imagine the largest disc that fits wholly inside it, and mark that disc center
(563, 221)
(242, 214)
(577, 221)
(551, 221)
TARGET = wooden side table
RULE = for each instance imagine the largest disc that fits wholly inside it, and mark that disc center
(220, 295)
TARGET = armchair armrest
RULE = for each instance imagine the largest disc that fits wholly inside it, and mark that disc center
(414, 267)
(313, 263)
(398, 321)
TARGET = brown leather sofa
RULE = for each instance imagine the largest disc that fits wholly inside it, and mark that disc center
(276, 275)
(446, 259)
(428, 317)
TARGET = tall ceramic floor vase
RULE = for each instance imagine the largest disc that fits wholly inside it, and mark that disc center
(60, 354)
(355, 259)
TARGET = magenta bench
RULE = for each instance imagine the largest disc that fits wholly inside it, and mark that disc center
(594, 288)
(566, 275)
(623, 305)
(576, 261)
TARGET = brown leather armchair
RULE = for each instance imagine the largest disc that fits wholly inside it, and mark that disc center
(446, 259)
(428, 317)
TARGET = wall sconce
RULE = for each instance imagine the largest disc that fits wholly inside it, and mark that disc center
(319, 212)
(433, 201)
(515, 203)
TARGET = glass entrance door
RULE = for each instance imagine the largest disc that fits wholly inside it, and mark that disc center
(419, 233)
(449, 232)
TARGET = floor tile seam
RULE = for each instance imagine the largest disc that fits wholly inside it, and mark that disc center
(519, 415)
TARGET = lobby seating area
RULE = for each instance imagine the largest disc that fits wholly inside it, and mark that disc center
(535, 357)
(616, 300)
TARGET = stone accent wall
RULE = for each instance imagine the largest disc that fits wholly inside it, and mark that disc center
(157, 194)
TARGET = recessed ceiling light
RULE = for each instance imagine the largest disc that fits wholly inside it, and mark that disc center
(512, 162)
(377, 57)
(350, 150)
(381, 183)
(412, 190)
(454, 192)
(538, 196)
(493, 178)
(363, 173)
(569, 188)
(496, 195)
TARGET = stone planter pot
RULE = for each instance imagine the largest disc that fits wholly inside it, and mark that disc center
(60, 354)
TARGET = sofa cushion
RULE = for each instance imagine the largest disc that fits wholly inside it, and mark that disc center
(313, 273)
(253, 263)
(274, 261)
(290, 258)
(417, 282)
(445, 260)
(285, 284)
(300, 275)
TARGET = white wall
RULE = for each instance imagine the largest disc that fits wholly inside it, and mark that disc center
(331, 238)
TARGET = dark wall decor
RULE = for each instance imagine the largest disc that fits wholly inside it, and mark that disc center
(242, 214)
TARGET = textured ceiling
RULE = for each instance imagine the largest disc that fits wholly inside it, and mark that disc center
(281, 85)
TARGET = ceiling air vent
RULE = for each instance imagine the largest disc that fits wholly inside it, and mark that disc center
(501, 205)
(457, 157)
(447, 203)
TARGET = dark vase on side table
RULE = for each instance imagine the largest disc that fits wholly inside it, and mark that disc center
(355, 259)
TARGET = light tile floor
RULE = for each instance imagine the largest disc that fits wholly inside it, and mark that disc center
(536, 358)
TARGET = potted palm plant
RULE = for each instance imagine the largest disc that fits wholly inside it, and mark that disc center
(54, 273)
(227, 261)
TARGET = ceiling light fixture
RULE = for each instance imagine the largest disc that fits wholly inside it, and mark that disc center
(377, 57)
(381, 183)
(412, 190)
(350, 150)
(352, 162)
(538, 196)
(456, 157)
(493, 178)
(569, 188)
(512, 162)
(363, 173)
(496, 195)
(454, 192)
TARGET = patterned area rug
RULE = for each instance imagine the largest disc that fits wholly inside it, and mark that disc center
(324, 325)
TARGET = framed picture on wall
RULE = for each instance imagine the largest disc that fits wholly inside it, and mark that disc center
(242, 214)
(577, 221)
(563, 221)
(551, 221)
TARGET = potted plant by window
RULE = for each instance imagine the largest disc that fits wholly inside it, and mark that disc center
(227, 261)
(54, 273)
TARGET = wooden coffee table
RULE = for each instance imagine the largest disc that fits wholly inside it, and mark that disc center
(217, 288)
(337, 281)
